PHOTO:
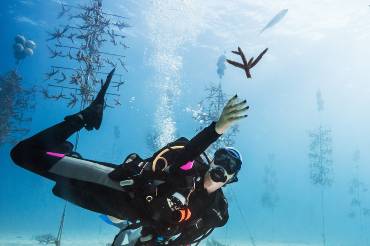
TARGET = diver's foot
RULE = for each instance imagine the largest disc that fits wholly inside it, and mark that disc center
(92, 116)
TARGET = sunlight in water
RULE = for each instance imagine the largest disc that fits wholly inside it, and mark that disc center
(172, 23)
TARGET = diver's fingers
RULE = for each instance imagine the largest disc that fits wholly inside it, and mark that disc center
(231, 101)
(241, 103)
(237, 106)
(234, 107)
(230, 117)
(237, 112)
(238, 118)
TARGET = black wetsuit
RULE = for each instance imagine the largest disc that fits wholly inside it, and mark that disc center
(45, 151)
(87, 183)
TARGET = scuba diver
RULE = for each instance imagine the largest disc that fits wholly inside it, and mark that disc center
(174, 196)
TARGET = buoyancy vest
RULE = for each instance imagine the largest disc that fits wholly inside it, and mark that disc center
(166, 157)
(156, 180)
(157, 166)
(166, 194)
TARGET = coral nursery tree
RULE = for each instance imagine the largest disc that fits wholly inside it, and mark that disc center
(17, 102)
(78, 49)
(270, 196)
(210, 108)
(357, 191)
(79, 45)
(321, 162)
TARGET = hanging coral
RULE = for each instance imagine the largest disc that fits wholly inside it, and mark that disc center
(17, 105)
(81, 44)
(208, 110)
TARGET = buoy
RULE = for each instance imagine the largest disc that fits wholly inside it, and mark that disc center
(18, 48)
(28, 51)
(20, 39)
(30, 44)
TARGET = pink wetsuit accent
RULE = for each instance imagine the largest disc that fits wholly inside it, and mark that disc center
(187, 166)
(55, 154)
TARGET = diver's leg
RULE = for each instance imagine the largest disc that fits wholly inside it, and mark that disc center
(36, 153)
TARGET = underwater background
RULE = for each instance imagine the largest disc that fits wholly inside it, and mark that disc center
(305, 142)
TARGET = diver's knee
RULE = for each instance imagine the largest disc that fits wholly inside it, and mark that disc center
(19, 153)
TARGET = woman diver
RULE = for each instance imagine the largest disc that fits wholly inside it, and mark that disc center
(174, 195)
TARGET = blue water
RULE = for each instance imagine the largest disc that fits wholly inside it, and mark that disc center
(174, 46)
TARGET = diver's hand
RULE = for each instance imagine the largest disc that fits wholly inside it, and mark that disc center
(232, 112)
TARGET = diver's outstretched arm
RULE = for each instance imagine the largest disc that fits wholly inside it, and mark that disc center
(232, 112)
(196, 146)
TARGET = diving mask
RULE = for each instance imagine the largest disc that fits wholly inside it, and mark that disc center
(226, 164)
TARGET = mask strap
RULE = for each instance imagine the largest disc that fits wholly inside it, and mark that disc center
(233, 179)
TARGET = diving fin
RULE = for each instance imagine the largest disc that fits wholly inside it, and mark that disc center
(92, 116)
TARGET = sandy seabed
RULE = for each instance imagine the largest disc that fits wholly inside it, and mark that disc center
(14, 241)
